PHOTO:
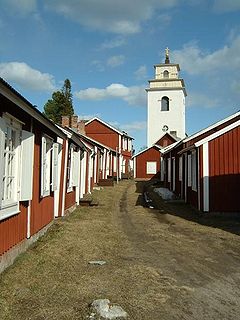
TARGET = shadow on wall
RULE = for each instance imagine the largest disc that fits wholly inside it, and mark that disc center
(224, 193)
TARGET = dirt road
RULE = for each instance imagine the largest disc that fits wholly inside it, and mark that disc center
(161, 263)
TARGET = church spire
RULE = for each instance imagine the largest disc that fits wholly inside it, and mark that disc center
(167, 60)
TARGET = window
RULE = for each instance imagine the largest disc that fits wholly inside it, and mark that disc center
(129, 145)
(70, 168)
(173, 133)
(165, 104)
(180, 169)
(189, 170)
(10, 162)
(114, 163)
(151, 167)
(169, 169)
(165, 74)
(194, 170)
(165, 142)
(162, 169)
(16, 159)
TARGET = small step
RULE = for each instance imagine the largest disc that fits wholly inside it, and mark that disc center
(94, 203)
(85, 202)
(106, 182)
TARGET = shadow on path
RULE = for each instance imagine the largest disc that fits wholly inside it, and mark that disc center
(229, 222)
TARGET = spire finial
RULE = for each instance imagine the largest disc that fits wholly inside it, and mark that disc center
(167, 60)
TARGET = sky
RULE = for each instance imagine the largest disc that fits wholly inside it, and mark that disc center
(108, 49)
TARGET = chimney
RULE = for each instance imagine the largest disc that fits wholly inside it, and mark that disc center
(65, 121)
(81, 127)
(74, 122)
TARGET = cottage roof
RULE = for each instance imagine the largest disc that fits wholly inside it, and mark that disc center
(122, 133)
(197, 134)
(142, 151)
(72, 135)
(11, 94)
(218, 133)
(87, 138)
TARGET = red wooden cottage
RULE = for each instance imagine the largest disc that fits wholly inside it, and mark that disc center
(99, 162)
(41, 169)
(115, 139)
(146, 163)
(204, 169)
(73, 180)
(32, 159)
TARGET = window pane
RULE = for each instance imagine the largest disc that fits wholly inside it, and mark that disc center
(9, 163)
(165, 104)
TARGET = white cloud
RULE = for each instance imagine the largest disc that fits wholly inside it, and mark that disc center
(130, 127)
(135, 126)
(226, 6)
(235, 86)
(88, 116)
(164, 20)
(141, 73)
(113, 43)
(98, 65)
(22, 7)
(116, 61)
(133, 95)
(27, 77)
(204, 101)
(195, 61)
(121, 17)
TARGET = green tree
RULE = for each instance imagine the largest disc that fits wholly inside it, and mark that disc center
(60, 104)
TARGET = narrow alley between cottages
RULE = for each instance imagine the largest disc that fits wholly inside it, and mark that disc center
(162, 263)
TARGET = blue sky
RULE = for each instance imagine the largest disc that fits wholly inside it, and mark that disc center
(108, 49)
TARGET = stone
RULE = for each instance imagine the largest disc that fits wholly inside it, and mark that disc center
(97, 262)
(106, 310)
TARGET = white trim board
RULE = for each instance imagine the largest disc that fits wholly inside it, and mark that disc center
(212, 126)
(218, 133)
(140, 152)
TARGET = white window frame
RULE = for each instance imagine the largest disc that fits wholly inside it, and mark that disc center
(22, 165)
(46, 162)
(151, 167)
(129, 145)
(70, 168)
(194, 169)
(55, 152)
(9, 196)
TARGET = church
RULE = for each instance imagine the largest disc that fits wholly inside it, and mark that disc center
(166, 96)
(196, 168)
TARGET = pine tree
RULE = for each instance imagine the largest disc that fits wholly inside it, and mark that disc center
(60, 104)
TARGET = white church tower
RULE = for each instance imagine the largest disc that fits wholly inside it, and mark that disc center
(165, 102)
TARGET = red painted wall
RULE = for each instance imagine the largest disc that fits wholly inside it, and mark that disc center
(13, 230)
(70, 199)
(42, 209)
(151, 154)
(99, 132)
(224, 175)
(166, 140)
